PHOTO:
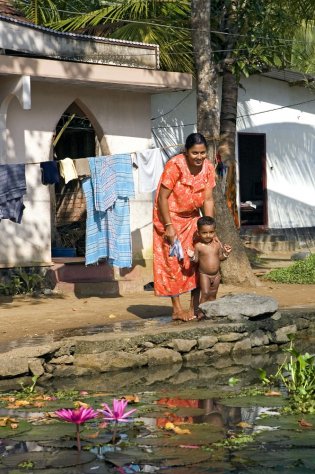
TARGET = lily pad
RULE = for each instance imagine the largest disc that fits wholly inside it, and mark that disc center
(201, 435)
(49, 432)
(287, 421)
(8, 432)
(44, 460)
(283, 459)
(161, 457)
(254, 401)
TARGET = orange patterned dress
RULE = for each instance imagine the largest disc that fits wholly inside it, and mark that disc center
(171, 278)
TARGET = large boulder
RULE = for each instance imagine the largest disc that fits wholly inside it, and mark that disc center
(240, 307)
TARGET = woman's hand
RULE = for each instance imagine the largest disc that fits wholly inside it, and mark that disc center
(170, 234)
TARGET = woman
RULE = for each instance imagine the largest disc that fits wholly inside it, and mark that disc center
(185, 187)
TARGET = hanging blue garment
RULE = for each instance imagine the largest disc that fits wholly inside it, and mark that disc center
(12, 190)
(107, 195)
(50, 172)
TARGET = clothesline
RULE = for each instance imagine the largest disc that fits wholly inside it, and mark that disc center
(74, 159)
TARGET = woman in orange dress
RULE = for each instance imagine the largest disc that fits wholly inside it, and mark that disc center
(185, 187)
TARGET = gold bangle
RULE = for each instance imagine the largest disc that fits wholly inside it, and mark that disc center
(168, 223)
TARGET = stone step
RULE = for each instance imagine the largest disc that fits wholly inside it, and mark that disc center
(101, 288)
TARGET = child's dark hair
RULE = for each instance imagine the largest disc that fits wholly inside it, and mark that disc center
(205, 220)
(195, 139)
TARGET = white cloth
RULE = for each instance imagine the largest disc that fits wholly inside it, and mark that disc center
(150, 167)
(67, 170)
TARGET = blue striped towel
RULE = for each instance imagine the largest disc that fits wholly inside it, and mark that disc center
(107, 195)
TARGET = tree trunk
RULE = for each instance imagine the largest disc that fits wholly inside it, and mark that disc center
(227, 138)
(206, 75)
(236, 269)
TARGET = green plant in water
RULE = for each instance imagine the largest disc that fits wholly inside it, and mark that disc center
(297, 374)
(235, 441)
(29, 389)
(26, 465)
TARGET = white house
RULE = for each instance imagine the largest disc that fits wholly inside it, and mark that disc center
(275, 154)
(45, 76)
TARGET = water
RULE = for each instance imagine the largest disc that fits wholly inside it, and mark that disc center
(188, 420)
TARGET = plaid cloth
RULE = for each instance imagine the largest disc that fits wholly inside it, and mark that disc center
(12, 190)
(107, 195)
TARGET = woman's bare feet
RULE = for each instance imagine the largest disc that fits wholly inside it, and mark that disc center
(183, 316)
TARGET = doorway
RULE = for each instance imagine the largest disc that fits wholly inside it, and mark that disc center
(78, 140)
(252, 178)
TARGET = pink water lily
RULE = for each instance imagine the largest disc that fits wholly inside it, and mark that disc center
(117, 412)
(78, 416)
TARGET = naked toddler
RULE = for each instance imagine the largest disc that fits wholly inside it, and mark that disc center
(208, 253)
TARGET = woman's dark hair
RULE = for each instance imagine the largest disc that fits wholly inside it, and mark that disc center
(195, 139)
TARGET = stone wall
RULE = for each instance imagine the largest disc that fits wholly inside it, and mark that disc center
(187, 344)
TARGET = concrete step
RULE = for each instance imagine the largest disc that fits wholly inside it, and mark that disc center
(101, 289)
(72, 276)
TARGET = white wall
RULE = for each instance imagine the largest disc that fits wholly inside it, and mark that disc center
(290, 140)
(121, 118)
(290, 146)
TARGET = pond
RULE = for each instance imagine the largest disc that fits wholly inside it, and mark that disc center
(192, 420)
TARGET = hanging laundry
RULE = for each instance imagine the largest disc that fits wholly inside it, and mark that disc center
(82, 167)
(107, 195)
(151, 165)
(50, 173)
(67, 170)
(12, 190)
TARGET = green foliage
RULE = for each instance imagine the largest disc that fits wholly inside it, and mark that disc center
(247, 37)
(66, 394)
(29, 389)
(297, 374)
(301, 272)
(235, 441)
(21, 281)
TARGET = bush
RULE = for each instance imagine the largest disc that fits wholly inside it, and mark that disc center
(301, 272)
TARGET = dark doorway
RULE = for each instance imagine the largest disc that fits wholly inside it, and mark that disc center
(78, 140)
(252, 178)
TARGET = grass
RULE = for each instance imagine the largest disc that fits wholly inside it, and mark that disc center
(301, 272)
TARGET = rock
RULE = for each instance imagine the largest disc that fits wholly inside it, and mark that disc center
(302, 323)
(231, 337)
(159, 356)
(204, 342)
(242, 346)
(281, 334)
(148, 345)
(12, 366)
(72, 371)
(36, 367)
(110, 360)
(222, 348)
(184, 377)
(240, 307)
(49, 368)
(65, 359)
(196, 357)
(259, 338)
(162, 373)
(276, 316)
(300, 255)
(182, 345)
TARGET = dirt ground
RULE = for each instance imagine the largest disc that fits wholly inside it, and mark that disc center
(23, 318)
